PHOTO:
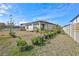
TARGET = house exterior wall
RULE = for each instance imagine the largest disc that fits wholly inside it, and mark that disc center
(73, 29)
(67, 29)
(47, 26)
(50, 26)
(76, 20)
(38, 25)
(29, 27)
(32, 27)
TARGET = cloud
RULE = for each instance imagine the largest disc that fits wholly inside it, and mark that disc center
(2, 11)
(48, 16)
(24, 21)
(4, 8)
(1, 14)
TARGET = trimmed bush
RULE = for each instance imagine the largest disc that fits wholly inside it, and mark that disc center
(22, 44)
(37, 41)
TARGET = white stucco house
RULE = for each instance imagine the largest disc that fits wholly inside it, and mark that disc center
(42, 25)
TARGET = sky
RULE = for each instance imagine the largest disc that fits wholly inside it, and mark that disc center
(58, 13)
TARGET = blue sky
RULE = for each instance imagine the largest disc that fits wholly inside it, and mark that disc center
(59, 13)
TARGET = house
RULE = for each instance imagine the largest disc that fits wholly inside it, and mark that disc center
(75, 20)
(72, 29)
(72, 26)
(2, 26)
(75, 23)
(41, 25)
(66, 28)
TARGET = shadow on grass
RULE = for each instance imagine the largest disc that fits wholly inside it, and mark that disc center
(43, 44)
(17, 52)
(29, 48)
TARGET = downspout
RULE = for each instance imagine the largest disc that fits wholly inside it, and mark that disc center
(39, 26)
(32, 27)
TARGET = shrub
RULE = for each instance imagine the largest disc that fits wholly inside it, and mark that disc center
(12, 34)
(54, 34)
(37, 41)
(37, 29)
(51, 35)
(22, 44)
(45, 36)
(57, 29)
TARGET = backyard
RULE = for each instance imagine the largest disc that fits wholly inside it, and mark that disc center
(60, 45)
(7, 42)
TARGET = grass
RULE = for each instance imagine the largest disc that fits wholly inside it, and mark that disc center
(8, 44)
(16, 52)
(62, 45)
(59, 46)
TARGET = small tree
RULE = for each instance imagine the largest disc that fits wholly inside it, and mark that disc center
(11, 25)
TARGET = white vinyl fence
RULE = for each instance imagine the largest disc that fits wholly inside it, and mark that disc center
(70, 30)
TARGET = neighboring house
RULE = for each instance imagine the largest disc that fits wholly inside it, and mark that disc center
(75, 23)
(72, 28)
(15, 28)
(41, 25)
(66, 28)
(75, 20)
(2, 26)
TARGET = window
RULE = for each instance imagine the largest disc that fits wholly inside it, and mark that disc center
(27, 27)
(43, 26)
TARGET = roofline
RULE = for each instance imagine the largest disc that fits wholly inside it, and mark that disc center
(37, 21)
(66, 25)
(74, 18)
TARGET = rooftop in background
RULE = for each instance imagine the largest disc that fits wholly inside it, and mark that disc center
(36, 22)
(74, 18)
